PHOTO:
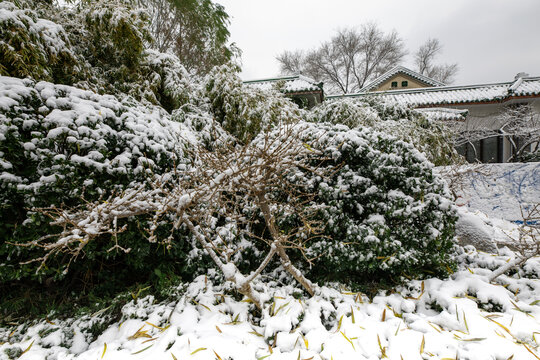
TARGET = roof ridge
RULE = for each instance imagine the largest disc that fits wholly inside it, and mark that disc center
(407, 71)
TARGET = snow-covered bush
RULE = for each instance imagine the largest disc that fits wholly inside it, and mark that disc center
(34, 47)
(244, 111)
(433, 139)
(386, 215)
(98, 46)
(59, 144)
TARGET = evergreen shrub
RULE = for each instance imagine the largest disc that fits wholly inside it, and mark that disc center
(385, 214)
(434, 139)
(59, 145)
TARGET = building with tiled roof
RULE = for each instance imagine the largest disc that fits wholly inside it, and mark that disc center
(400, 77)
(301, 89)
(478, 106)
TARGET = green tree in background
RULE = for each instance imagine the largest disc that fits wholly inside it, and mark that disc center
(194, 30)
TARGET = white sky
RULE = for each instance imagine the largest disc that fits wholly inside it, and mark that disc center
(491, 40)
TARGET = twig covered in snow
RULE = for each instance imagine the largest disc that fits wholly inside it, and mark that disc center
(527, 244)
(222, 199)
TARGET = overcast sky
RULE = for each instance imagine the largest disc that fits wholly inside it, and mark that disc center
(491, 40)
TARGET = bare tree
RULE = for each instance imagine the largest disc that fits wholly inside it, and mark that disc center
(518, 124)
(239, 185)
(424, 59)
(349, 59)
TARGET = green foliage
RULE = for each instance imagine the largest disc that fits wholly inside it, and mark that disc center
(432, 138)
(59, 144)
(34, 47)
(193, 30)
(244, 111)
(385, 214)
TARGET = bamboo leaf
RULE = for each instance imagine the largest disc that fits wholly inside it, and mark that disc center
(218, 329)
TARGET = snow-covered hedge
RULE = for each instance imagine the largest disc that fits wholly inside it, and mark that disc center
(59, 144)
(386, 214)
(432, 138)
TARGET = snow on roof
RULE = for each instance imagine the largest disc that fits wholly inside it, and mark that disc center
(444, 114)
(455, 95)
(287, 84)
(400, 69)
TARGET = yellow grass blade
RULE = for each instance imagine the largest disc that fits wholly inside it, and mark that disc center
(383, 349)
(174, 357)
(465, 321)
(422, 344)
(140, 351)
(383, 317)
(219, 357)
(349, 340)
(218, 329)
(339, 323)
(352, 314)
(104, 350)
(196, 351)
(28, 348)
(305, 341)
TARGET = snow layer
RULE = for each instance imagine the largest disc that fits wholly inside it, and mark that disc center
(464, 316)
(498, 190)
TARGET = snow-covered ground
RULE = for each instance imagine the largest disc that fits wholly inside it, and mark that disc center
(463, 317)
(497, 190)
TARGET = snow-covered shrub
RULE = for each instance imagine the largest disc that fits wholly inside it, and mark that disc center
(59, 144)
(386, 215)
(244, 111)
(433, 139)
(31, 46)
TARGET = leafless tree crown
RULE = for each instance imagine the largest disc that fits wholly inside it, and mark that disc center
(349, 60)
(424, 59)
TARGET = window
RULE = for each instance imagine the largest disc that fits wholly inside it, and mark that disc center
(394, 84)
(404, 83)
